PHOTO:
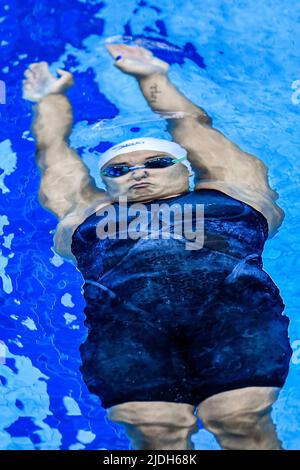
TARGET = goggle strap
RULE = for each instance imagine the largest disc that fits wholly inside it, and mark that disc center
(175, 160)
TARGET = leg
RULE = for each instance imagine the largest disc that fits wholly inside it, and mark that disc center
(156, 425)
(240, 419)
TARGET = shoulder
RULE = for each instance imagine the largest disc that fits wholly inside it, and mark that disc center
(260, 201)
(67, 226)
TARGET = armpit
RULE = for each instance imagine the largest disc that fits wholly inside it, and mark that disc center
(259, 200)
(67, 226)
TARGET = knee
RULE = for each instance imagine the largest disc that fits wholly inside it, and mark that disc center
(153, 412)
(156, 425)
(242, 423)
(239, 411)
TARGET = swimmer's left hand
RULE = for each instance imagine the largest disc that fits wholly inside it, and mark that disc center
(136, 60)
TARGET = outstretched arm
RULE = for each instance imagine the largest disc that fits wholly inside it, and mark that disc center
(162, 96)
(218, 162)
(66, 187)
(66, 184)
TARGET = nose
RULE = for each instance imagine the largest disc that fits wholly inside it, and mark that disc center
(139, 173)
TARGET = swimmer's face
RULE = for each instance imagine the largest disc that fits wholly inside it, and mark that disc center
(144, 184)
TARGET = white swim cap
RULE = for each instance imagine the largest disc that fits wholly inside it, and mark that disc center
(147, 143)
(143, 143)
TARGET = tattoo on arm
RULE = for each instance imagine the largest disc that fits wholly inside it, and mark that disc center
(171, 98)
(154, 92)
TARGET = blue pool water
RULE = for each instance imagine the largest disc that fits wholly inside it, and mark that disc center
(238, 61)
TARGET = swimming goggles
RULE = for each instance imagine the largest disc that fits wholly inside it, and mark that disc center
(114, 171)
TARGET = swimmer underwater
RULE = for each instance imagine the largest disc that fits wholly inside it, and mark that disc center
(174, 335)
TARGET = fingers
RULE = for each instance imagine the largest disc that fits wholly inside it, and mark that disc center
(28, 90)
(29, 74)
(114, 50)
(34, 68)
(28, 93)
(42, 65)
(64, 73)
(38, 67)
(126, 50)
(36, 71)
(66, 77)
(39, 81)
(26, 84)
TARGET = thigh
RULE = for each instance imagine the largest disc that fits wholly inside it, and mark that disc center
(240, 340)
(128, 356)
(254, 400)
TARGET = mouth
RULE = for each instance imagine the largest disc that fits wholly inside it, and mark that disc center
(139, 185)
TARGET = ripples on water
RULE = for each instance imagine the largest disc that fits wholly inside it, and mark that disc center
(241, 75)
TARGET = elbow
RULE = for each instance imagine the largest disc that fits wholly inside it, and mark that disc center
(54, 207)
(205, 120)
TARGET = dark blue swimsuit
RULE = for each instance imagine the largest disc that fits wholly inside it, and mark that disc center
(167, 323)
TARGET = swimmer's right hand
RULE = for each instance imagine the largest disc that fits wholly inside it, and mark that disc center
(40, 82)
(136, 60)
